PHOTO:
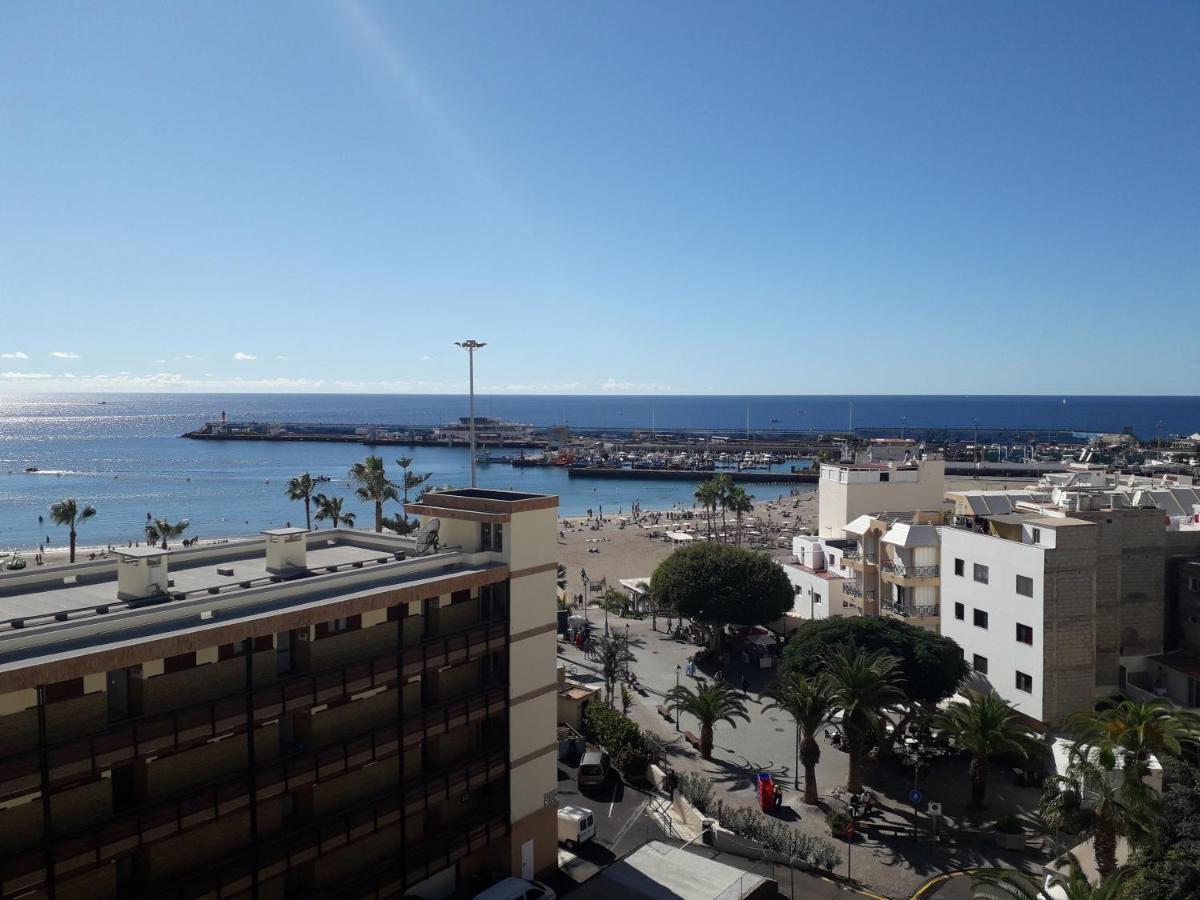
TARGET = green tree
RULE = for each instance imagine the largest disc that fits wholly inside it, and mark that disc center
(724, 486)
(717, 583)
(373, 485)
(70, 514)
(1169, 869)
(931, 665)
(400, 524)
(709, 704)
(615, 656)
(993, 884)
(1095, 798)
(866, 686)
(1137, 729)
(739, 503)
(810, 703)
(303, 487)
(331, 508)
(160, 530)
(410, 481)
(708, 495)
(987, 725)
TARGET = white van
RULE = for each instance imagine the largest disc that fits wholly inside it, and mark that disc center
(517, 889)
(575, 825)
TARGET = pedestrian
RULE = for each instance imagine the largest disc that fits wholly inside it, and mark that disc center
(40, 520)
(745, 685)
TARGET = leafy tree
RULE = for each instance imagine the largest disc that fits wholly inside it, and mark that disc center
(68, 512)
(1137, 729)
(717, 583)
(303, 487)
(931, 665)
(373, 485)
(400, 524)
(1094, 798)
(709, 704)
(411, 480)
(162, 530)
(866, 686)
(331, 508)
(810, 703)
(987, 725)
(996, 883)
(1170, 868)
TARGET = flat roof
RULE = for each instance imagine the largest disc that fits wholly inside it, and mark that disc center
(658, 871)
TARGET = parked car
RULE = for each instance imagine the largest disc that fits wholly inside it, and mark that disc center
(575, 825)
(593, 769)
(517, 889)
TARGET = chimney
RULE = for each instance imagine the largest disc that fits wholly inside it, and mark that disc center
(141, 573)
(286, 550)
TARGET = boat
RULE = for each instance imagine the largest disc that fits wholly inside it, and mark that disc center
(31, 469)
(15, 564)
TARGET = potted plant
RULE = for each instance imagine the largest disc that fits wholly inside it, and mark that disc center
(838, 822)
(1009, 833)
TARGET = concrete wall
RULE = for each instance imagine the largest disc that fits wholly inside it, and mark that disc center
(844, 494)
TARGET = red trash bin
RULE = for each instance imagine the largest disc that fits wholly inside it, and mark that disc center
(765, 785)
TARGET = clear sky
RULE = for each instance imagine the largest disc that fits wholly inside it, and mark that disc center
(689, 197)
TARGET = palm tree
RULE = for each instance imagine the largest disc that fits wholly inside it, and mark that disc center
(993, 884)
(1093, 798)
(373, 485)
(1137, 729)
(986, 725)
(866, 686)
(302, 487)
(810, 703)
(739, 502)
(161, 530)
(411, 480)
(615, 656)
(708, 495)
(331, 508)
(709, 704)
(724, 487)
(67, 512)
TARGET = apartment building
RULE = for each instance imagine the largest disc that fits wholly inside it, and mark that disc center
(847, 490)
(331, 714)
(819, 574)
(895, 565)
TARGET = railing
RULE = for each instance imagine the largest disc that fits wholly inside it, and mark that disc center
(903, 571)
(84, 758)
(903, 609)
(856, 590)
(127, 833)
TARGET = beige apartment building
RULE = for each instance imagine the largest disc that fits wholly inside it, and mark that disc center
(328, 714)
(850, 490)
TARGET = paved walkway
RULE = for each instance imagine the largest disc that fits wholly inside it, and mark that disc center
(892, 861)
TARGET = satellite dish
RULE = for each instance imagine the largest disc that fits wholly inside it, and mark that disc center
(427, 540)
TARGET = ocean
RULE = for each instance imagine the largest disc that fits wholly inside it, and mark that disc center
(126, 457)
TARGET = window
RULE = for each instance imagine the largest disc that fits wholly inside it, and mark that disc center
(980, 664)
(816, 597)
(981, 573)
(1024, 586)
(491, 537)
(960, 611)
(883, 476)
(1035, 535)
(1194, 585)
(959, 565)
(980, 618)
(179, 663)
(1024, 682)
(1024, 634)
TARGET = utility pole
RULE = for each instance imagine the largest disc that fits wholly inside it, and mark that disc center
(471, 346)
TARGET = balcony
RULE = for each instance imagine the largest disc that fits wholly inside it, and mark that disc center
(83, 759)
(899, 571)
(905, 611)
(858, 558)
(851, 589)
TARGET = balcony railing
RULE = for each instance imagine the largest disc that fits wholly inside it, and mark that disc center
(903, 571)
(82, 759)
(127, 833)
(903, 609)
(855, 590)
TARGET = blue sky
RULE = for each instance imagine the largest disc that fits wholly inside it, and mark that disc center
(619, 197)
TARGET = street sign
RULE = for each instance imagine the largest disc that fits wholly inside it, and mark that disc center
(935, 809)
(915, 796)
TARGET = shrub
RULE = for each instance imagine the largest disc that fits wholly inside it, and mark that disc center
(697, 790)
(612, 730)
(838, 822)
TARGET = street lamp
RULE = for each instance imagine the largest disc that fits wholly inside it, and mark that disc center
(604, 602)
(586, 594)
(677, 670)
(471, 346)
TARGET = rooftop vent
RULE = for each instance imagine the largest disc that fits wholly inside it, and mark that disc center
(286, 550)
(141, 573)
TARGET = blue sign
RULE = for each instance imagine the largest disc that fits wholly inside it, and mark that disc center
(915, 796)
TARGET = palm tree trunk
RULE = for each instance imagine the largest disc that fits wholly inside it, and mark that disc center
(1105, 845)
(978, 773)
(706, 741)
(72, 545)
(164, 543)
(854, 773)
(379, 516)
(307, 513)
(810, 755)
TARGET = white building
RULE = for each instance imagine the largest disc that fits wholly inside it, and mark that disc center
(849, 490)
(818, 576)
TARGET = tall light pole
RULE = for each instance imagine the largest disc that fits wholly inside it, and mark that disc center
(677, 668)
(471, 346)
